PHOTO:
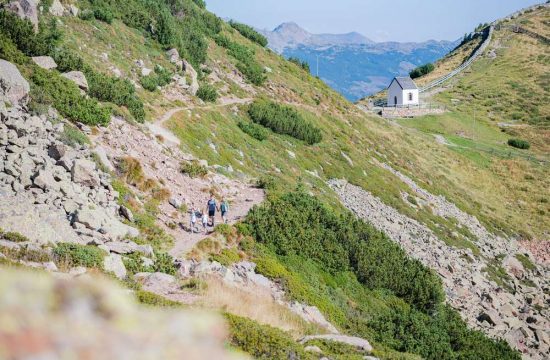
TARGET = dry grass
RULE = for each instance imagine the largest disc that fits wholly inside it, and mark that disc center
(256, 304)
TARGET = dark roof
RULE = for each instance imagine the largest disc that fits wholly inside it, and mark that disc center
(405, 82)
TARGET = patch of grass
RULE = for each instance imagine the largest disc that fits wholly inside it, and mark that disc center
(193, 169)
(72, 136)
(13, 236)
(226, 257)
(526, 262)
(134, 264)
(263, 341)
(496, 273)
(152, 299)
(71, 255)
(256, 131)
(207, 93)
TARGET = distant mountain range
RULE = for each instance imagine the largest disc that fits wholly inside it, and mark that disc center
(353, 64)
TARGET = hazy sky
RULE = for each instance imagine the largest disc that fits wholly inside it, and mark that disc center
(399, 20)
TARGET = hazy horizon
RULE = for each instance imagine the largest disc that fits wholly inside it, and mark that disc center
(371, 18)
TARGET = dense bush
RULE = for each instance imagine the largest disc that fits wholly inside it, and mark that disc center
(263, 341)
(249, 33)
(103, 14)
(246, 64)
(519, 143)
(164, 263)
(303, 64)
(284, 119)
(207, 93)
(9, 51)
(73, 255)
(159, 78)
(256, 131)
(65, 96)
(421, 70)
(117, 91)
(299, 224)
(67, 60)
(21, 33)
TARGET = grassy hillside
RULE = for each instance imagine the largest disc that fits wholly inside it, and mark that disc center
(351, 146)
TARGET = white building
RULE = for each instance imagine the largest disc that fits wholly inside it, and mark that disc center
(402, 92)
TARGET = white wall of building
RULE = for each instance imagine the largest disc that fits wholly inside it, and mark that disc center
(402, 96)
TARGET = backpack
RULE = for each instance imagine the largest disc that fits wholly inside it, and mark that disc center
(223, 207)
(211, 205)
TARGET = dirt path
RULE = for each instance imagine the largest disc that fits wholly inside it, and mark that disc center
(158, 163)
(157, 127)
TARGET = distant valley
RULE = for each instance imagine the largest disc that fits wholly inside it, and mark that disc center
(351, 63)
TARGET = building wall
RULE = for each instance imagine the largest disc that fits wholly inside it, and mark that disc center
(405, 97)
(395, 91)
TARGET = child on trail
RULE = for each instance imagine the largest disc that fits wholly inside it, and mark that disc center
(193, 220)
(205, 223)
(224, 208)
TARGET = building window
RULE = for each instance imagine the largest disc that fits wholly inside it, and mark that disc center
(410, 96)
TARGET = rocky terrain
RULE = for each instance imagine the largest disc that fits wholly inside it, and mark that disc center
(518, 313)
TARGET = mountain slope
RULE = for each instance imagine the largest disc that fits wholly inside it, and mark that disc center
(304, 243)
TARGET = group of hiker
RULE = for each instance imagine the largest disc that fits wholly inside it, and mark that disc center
(208, 216)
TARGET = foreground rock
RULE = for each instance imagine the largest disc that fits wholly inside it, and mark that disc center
(47, 318)
(25, 9)
(78, 78)
(45, 62)
(13, 87)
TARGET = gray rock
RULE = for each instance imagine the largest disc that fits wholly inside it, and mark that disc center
(56, 8)
(103, 158)
(73, 10)
(45, 62)
(46, 181)
(84, 173)
(513, 267)
(194, 86)
(313, 349)
(78, 78)
(25, 9)
(113, 263)
(158, 283)
(57, 151)
(344, 339)
(13, 87)
(127, 213)
(91, 218)
(175, 202)
(174, 56)
(124, 248)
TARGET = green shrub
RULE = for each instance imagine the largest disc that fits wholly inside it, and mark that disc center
(65, 96)
(9, 51)
(246, 64)
(284, 119)
(421, 70)
(207, 93)
(67, 60)
(200, 3)
(226, 257)
(159, 78)
(13, 236)
(518, 143)
(253, 72)
(266, 182)
(103, 14)
(86, 14)
(303, 64)
(73, 255)
(249, 33)
(118, 91)
(134, 264)
(256, 131)
(164, 263)
(343, 243)
(152, 299)
(193, 169)
(263, 341)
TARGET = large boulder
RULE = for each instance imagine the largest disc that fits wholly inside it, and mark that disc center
(84, 173)
(194, 86)
(513, 266)
(78, 78)
(56, 8)
(37, 222)
(25, 9)
(13, 86)
(174, 56)
(103, 158)
(113, 263)
(45, 62)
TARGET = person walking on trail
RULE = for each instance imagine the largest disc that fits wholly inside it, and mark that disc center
(193, 220)
(205, 223)
(211, 209)
(224, 208)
